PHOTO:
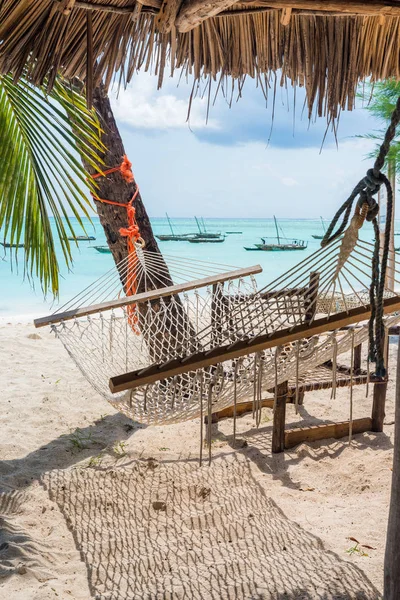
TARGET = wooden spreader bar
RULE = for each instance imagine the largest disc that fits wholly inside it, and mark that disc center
(207, 358)
(147, 296)
(293, 437)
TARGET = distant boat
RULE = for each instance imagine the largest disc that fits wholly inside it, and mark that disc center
(82, 238)
(8, 245)
(232, 232)
(102, 249)
(203, 233)
(278, 246)
(202, 240)
(320, 237)
(173, 237)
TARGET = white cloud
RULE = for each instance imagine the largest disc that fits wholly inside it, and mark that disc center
(142, 107)
(289, 181)
(242, 181)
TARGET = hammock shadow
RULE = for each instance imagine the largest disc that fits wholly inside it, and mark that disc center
(174, 530)
(19, 550)
(259, 443)
(67, 450)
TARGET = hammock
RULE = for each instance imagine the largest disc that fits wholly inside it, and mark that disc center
(208, 342)
(173, 352)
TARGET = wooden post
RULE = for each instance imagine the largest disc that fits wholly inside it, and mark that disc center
(391, 589)
(379, 395)
(378, 406)
(310, 298)
(217, 315)
(357, 359)
(278, 431)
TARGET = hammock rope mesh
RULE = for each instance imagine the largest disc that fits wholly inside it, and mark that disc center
(333, 280)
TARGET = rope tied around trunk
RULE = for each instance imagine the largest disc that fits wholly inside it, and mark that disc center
(132, 232)
(365, 192)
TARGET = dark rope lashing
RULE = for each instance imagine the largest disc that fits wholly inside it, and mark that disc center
(364, 192)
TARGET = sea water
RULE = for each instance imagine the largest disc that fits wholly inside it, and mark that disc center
(23, 300)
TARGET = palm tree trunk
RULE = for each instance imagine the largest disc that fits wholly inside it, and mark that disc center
(114, 188)
(392, 554)
(166, 333)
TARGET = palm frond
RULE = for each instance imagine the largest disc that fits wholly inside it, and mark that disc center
(382, 102)
(41, 175)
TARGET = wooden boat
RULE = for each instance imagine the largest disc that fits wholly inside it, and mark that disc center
(82, 238)
(102, 249)
(203, 233)
(173, 237)
(320, 237)
(202, 240)
(8, 245)
(277, 246)
(169, 237)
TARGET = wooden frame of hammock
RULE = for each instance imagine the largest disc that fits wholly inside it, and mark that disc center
(281, 438)
(284, 439)
(147, 296)
(244, 347)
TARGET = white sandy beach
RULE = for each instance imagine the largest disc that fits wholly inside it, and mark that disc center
(94, 505)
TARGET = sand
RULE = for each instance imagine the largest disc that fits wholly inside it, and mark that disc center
(94, 505)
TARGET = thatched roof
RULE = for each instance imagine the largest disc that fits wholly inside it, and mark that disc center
(327, 46)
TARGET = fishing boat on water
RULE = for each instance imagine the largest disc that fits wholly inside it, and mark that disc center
(203, 233)
(232, 232)
(173, 237)
(102, 249)
(320, 237)
(82, 238)
(287, 245)
(202, 240)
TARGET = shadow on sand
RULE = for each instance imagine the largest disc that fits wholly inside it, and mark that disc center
(178, 531)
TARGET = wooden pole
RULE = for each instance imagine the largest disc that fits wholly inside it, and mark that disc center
(310, 299)
(378, 406)
(391, 589)
(278, 430)
(145, 297)
(357, 359)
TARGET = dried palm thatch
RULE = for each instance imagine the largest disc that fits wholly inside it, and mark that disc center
(327, 47)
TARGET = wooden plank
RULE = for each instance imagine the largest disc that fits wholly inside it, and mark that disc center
(194, 12)
(166, 17)
(258, 343)
(286, 15)
(390, 8)
(293, 437)
(242, 408)
(146, 296)
(111, 8)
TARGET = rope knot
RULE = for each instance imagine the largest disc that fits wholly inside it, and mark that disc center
(373, 181)
(126, 170)
(131, 232)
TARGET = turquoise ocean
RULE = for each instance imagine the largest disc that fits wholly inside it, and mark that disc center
(20, 300)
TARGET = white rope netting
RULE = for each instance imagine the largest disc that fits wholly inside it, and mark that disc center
(104, 345)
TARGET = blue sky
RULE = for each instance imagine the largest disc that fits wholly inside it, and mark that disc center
(226, 167)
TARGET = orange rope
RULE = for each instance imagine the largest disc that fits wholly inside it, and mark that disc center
(131, 232)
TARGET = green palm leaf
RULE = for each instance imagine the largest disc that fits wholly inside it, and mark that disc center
(41, 174)
(383, 96)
